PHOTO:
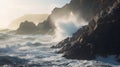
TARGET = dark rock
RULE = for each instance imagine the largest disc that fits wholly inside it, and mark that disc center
(88, 9)
(99, 38)
(81, 8)
(30, 28)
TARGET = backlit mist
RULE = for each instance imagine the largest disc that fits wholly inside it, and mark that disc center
(12, 9)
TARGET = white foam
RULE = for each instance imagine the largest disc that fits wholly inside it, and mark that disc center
(22, 46)
(65, 27)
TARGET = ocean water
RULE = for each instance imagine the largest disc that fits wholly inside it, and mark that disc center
(35, 51)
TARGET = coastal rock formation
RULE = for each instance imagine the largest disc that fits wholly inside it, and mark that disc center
(86, 9)
(80, 8)
(35, 18)
(27, 28)
(100, 37)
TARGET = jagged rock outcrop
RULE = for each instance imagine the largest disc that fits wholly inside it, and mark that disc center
(35, 18)
(30, 28)
(86, 9)
(100, 37)
(89, 8)
(27, 28)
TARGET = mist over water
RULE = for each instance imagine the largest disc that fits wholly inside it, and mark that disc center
(35, 50)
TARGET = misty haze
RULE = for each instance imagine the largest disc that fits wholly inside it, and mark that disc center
(60, 33)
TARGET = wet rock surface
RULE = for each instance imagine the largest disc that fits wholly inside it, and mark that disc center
(99, 38)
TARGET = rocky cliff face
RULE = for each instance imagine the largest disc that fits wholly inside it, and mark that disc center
(100, 37)
(85, 9)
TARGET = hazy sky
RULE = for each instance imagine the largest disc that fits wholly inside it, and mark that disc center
(11, 9)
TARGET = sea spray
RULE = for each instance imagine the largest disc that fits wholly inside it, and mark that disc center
(33, 51)
(66, 26)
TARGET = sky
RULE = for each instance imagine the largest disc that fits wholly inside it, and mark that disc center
(12, 9)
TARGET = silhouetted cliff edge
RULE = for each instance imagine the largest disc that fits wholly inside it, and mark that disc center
(28, 27)
(101, 37)
(85, 9)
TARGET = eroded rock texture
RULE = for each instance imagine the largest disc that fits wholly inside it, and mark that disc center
(101, 37)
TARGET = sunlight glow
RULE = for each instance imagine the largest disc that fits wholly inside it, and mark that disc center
(12, 9)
